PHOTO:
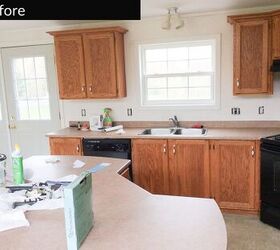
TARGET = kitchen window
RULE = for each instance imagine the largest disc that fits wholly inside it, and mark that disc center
(179, 73)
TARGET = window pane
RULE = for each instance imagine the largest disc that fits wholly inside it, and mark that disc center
(42, 88)
(177, 66)
(177, 81)
(18, 68)
(40, 67)
(200, 81)
(20, 89)
(177, 53)
(157, 82)
(31, 89)
(156, 68)
(44, 109)
(156, 55)
(203, 65)
(33, 110)
(199, 93)
(178, 94)
(29, 68)
(22, 108)
(200, 52)
(157, 94)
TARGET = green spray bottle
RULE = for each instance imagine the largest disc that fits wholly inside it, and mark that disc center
(17, 163)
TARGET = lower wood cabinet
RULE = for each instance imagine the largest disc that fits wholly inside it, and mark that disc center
(65, 146)
(150, 165)
(234, 180)
(226, 170)
(176, 167)
(189, 168)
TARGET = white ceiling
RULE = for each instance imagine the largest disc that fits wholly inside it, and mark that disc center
(159, 7)
(152, 8)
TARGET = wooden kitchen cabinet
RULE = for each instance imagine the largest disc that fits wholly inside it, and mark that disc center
(90, 63)
(189, 168)
(233, 174)
(65, 146)
(70, 67)
(176, 167)
(252, 57)
(150, 165)
(276, 36)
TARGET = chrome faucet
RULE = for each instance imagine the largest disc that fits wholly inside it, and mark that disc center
(175, 121)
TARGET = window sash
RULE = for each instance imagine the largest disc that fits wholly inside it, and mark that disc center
(181, 102)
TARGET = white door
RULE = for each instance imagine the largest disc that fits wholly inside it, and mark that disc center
(31, 96)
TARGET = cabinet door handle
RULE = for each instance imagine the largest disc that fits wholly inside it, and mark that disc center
(174, 149)
(90, 88)
(253, 151)
(237, 83)
(83, 88)
(164, 148)
(78, 148)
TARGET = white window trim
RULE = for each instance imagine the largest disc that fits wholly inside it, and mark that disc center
(200, 104)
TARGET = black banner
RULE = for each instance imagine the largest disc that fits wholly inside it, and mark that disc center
(69, 10)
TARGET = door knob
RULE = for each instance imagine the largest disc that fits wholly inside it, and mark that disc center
(12, 126)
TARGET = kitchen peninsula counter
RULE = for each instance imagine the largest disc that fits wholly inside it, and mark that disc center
(126, 216)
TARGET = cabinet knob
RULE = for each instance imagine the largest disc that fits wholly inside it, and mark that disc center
(253, 151)
(78, 148)
(90, 88)
(237, 83)
(174, 149)
(83, 88)
(164, 148)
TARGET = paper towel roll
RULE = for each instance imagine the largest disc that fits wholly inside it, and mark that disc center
(113, 128)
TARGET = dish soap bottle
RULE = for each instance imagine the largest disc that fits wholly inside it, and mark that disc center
(107, 120)
(17, 165)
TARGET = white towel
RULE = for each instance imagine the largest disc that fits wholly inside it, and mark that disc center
(12, 219)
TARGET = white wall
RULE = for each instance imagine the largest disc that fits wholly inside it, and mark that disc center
(148, 30)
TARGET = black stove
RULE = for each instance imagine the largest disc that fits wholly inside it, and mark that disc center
(270, 180)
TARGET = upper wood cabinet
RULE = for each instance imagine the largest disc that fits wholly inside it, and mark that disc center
(70, 66)
(90, 63)
(189, 168)
(276, 36)
(252, 57)
(150, 165)
(65, 146)
(233, 173)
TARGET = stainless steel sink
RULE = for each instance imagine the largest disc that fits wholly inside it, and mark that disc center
(158, 131)
(190, 131)
(175, 131)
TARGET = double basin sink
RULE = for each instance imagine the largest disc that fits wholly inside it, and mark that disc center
(175, 131)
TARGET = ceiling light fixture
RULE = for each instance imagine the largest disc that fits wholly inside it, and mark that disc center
(174, 18)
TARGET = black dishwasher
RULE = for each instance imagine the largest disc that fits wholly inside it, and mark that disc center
(115, 148)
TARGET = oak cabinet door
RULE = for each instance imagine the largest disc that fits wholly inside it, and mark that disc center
(233, 174)
(276, 37)
(100, 63)
(251, 57)
(189, 168)
(70, 66)
(150, 164)
(65, 146)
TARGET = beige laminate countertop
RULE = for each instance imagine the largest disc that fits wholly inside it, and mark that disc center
(212, 133)
(126, 216)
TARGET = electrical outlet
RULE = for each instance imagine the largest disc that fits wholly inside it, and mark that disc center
(261, 110)
(83, 112)
(129, 112)
(235, 111)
